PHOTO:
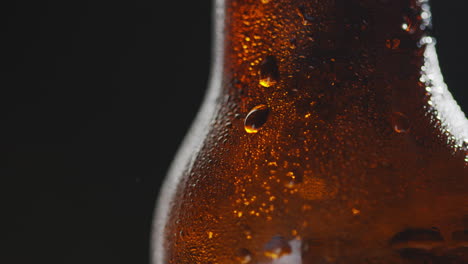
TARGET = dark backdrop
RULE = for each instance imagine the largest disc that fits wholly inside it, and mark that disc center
(95, 98)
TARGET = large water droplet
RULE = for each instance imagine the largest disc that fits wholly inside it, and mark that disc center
(277, 247)
(400, 122)
(243, 256)
(256, 118)
(417, 238)
(294, 177)
(269, 74)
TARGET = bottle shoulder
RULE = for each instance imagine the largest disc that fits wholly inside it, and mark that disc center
(240, 185)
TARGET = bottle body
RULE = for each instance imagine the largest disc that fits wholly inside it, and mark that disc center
(327, 136)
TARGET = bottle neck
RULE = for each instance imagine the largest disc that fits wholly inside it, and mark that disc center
(338, 60)
(285, 47)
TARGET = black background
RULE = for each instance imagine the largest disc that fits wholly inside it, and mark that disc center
(95, 98)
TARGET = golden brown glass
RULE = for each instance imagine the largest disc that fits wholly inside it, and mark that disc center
(327, 136)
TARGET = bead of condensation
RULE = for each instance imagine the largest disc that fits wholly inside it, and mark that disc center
(277, 247)
(256, 118)
(269, 74)
(243, 256)
(400, 122)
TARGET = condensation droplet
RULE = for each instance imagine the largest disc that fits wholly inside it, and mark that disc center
(294, 233)
(292, 43)
(405, 26)
(356, 211)
(293, 178)
(256, 118)
(243, 256)
(427, 40)
(417, 238)
(400, 122)
(392, 43)
(306, 18)
(277, 247)
(425, 15)
(410, 20)
(269, 74)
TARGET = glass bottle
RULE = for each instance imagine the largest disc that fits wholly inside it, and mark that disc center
(327, 136)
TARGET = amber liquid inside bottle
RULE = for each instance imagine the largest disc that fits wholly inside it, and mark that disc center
(327, 136)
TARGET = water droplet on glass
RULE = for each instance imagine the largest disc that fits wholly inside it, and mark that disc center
(256, 118)
(294, 232)
(243, 256)
(460, 235)
(247, 231)
(405, 26)
(417, 238)
(426, 41)
(293, 178)
(277, 247)
(356, 211)
(410, 20)
(392, 43)
(292, 43)
(400, 122)
(306, 18)
(269, 74)
(425, 15)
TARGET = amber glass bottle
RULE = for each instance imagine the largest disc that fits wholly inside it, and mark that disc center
(327, 136)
